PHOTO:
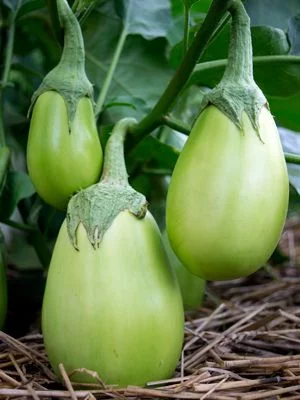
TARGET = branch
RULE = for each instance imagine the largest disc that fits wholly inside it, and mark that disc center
(7, 66)
(179, 80)
(292, 158)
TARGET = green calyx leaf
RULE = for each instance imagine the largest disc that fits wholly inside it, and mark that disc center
(97, 206)
(237, 92)
(233, 99)
(68, 78)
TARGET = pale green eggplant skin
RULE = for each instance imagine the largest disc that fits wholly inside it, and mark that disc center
(3, 292)
(192, 287)
(116, 309)
(228, 196)
(62, 161)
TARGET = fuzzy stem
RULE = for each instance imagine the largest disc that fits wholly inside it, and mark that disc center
(114, 168)
(239, 66)
(73, 50)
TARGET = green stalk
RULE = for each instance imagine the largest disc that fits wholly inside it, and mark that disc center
(75, 5)
(186, 27)
(179, 80)
(257, 60)
(73, 50)
(240, 63)
(292, 158)
(176, 124)
(7, 66)
(110, 73)
(19, 226)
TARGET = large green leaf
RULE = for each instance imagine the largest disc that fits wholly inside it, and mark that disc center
(272, 12)
(287, 111)
(142, 72)
(294, 34)
(149, 19)
(18, 187)
(151, 149)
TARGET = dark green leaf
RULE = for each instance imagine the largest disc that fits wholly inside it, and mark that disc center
(272, 12)
(149, 19)
(30, 6)
(286, 111)
(152, 149)
(294, 34)
(141, 75)
(18, 187)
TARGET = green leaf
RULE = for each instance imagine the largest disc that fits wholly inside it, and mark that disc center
(150, 19)
(272, 12)
(30, 6)
(294, 34)
(151, 149)
(142, 72)
(18, 187)
(286, 111)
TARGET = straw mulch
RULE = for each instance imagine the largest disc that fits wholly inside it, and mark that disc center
(244, 343)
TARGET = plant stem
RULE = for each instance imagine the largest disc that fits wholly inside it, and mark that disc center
(73, 49)
(292, 158)
(176, 124)
(19, 226)
(110, 72)
(179, 80)
(257, 60)
(7, 66)
(186, 27)
(240, 63)
(75, 6)
(39, 242)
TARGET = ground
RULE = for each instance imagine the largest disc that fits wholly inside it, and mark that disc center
(243, 343)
